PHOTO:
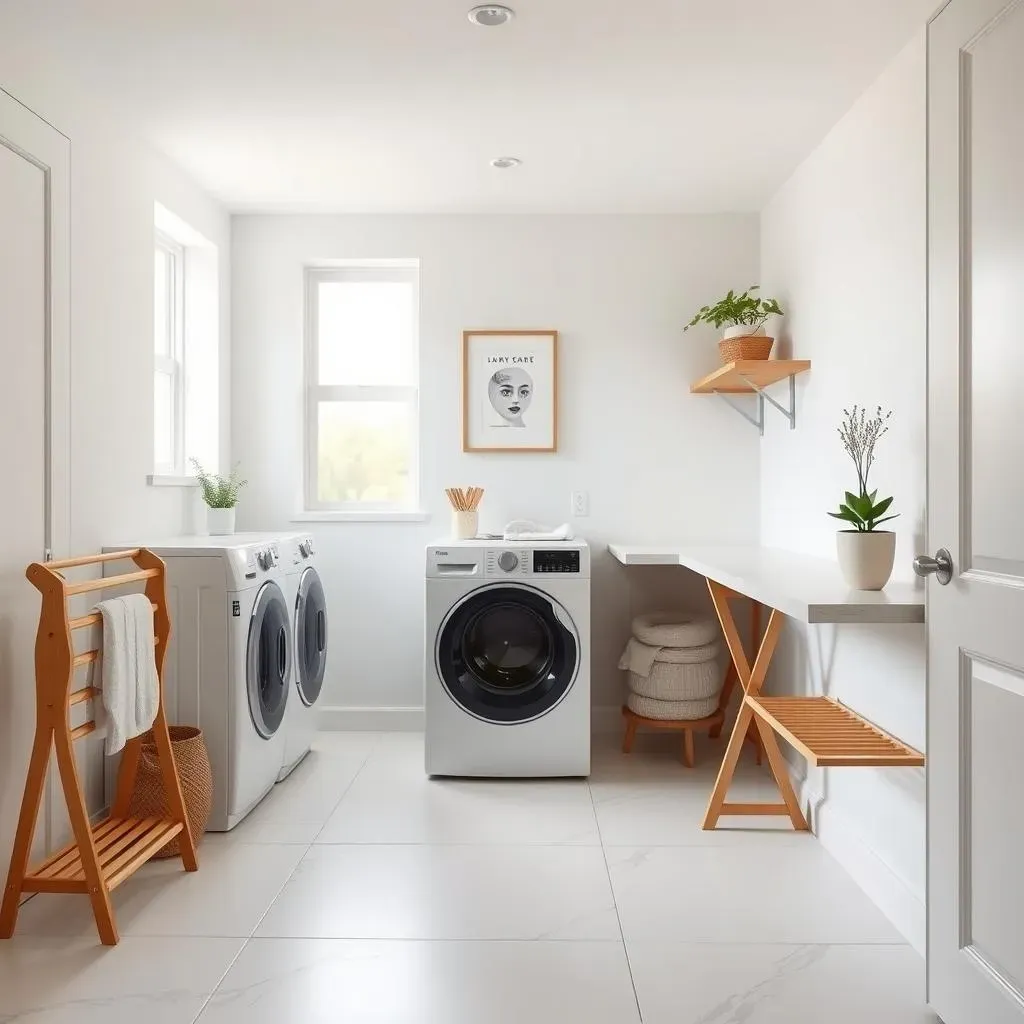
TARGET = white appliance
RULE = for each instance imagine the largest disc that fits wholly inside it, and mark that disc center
(507, 661)
(228, 667)
(304, 593)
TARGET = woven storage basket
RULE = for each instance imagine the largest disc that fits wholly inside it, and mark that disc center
(671, 710)
(193, 763)
(677, 629)
(756, 346)
(679, 682)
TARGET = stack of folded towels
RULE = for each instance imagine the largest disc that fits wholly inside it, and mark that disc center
(672, 665)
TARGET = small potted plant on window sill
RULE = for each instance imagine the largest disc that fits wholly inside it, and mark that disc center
(221, 496)
(866, 554)
(743, 317)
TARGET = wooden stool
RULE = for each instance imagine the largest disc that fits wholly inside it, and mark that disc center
(712, 725)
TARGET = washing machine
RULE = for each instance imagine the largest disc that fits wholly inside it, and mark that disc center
(507, 659)
(229, 663)
(304, 592)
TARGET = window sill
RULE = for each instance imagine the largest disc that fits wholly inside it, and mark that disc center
(160, 480)
(355, 516)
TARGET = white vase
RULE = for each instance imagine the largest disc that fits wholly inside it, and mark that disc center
(743, 331)
(866, 559)
(220, 521)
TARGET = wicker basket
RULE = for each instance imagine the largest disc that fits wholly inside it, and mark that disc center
(754, 346)
(671, 710)
(193, 763)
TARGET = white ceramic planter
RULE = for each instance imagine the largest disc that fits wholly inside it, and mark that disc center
(866, 559)
(220, 521)
(743, 331)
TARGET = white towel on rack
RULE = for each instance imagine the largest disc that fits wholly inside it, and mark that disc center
(131, 687)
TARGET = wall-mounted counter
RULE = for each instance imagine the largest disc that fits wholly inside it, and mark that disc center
(800, 586)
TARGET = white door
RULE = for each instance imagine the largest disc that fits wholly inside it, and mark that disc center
(34, 300)
(976, 511)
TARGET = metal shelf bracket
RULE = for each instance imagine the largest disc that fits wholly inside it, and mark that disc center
(762, 397)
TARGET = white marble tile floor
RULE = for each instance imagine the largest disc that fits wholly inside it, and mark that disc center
(361, 892)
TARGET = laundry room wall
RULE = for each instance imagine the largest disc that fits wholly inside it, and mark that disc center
(658, 463)
(844, 248)
(116, 178)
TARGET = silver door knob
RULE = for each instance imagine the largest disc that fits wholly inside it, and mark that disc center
(941, 566)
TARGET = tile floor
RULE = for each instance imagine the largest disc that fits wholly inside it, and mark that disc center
(360, 892)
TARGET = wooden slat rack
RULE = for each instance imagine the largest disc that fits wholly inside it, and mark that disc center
(101, 856)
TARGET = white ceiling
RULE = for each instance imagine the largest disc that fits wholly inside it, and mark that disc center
(370, 105)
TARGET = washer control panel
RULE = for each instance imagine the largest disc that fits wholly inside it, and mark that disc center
(564, 561)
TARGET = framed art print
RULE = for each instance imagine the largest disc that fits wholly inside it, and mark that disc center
(509, 391)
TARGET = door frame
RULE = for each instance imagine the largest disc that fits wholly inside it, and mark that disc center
(33, 138)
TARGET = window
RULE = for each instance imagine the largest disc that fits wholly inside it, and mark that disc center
(186, 350)
(169, 361)
(361, 388)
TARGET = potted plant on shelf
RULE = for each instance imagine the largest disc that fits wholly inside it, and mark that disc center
(221, 496)
(866, 554)
(743, 317)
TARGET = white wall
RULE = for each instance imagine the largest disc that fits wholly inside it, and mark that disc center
(618, 289)
(115, 180)
(843, 247)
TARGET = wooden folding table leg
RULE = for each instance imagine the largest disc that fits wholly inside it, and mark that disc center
(728, 769)
(780, 773)
(723, 701)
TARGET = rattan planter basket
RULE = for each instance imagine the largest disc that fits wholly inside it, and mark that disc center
(193, 763)
(754, 346)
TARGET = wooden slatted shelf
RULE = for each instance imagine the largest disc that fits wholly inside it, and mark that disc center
(735, 378)
(829, 735)
(123, 844)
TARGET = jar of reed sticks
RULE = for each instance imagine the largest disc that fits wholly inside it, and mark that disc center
(465, 518)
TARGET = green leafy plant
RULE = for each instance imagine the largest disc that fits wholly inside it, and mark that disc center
(735, 309)
(219, 491)
(863, 511)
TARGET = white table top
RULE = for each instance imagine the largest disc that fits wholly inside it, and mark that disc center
(805, 588)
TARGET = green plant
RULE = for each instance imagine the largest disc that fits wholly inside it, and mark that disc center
(736, 309)
(859, 436)
(219, 491)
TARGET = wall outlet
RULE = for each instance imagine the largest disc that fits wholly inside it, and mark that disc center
(580, 503)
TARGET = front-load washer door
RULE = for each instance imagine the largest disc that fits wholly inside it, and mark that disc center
(310, 636)
(507, 654)
(268, 660)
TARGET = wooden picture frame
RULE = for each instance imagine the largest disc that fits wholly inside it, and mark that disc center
(509, 391)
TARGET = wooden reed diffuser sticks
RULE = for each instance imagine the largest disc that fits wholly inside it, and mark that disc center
(465, 499)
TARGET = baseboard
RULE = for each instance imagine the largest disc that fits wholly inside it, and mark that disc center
(368, 719)
(887, 890)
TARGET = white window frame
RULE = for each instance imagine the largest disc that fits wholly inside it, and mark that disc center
(406, 272)
(173, 365)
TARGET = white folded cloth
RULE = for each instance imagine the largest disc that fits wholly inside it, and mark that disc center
(524, 530)
(131, 687)
(640, 658)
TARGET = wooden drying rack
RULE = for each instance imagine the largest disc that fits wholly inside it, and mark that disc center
(823, 731)
(103, 855)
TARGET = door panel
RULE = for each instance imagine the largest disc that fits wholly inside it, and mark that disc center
(34, 290)
(994, 202)
(975, 497)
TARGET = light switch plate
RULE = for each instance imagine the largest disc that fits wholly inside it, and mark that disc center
(580, 503)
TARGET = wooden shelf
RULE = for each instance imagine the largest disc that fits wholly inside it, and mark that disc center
(829, 734)
(735, 378)
(122, 845)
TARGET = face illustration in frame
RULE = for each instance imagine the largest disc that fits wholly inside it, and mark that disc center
(510, 392)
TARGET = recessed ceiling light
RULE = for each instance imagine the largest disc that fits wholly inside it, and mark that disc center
(491, 15)
(504, 162)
